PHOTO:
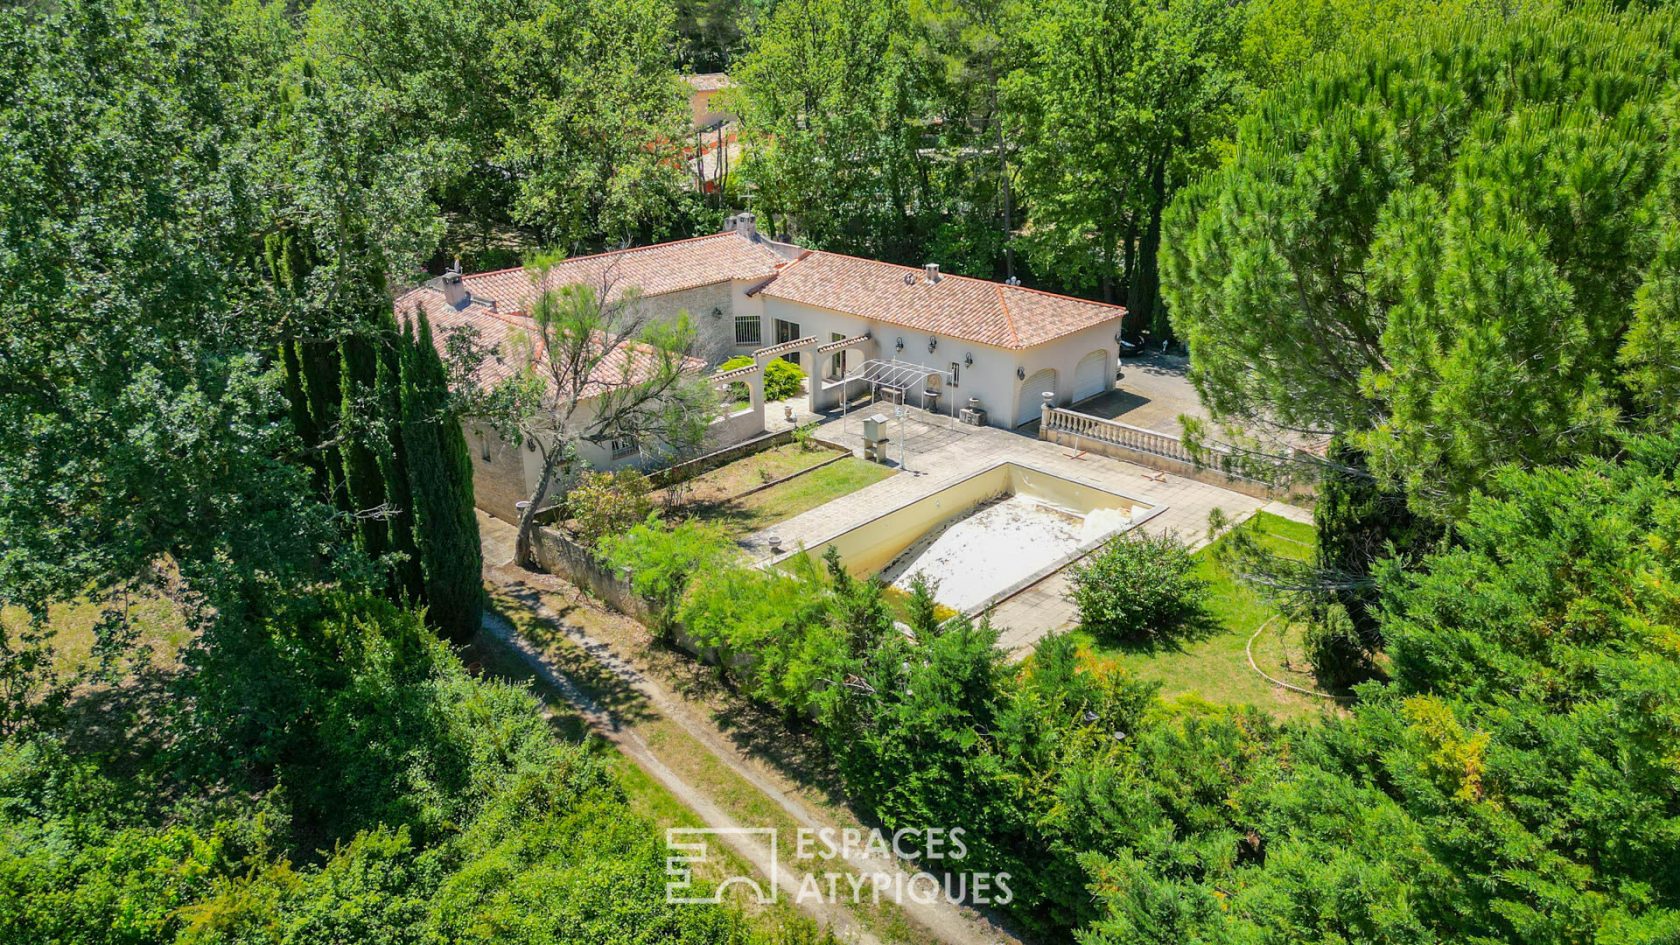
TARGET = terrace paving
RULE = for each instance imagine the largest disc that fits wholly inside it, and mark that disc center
(940, 454)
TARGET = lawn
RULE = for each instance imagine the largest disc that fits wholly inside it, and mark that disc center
(728, 481)
(1214, 666)
(744, 515)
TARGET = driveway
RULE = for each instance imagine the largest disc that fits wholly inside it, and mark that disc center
(1153, 392)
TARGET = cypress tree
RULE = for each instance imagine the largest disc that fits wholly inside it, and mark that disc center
(361, 431)
(408, 576)
(440, 482)
(312, 371)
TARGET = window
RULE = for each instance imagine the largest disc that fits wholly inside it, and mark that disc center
(748, 329)
(837, 362)
(956, 371)
(621, 447)
(483, 445)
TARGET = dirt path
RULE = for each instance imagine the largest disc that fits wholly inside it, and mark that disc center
(836, 918)
(939, 920)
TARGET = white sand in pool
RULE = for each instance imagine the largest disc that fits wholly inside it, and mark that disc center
(994, 546)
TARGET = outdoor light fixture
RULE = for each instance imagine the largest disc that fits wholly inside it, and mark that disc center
(932, 344)
(899, 346)
(717, 313)
(1117, 336)
(968, 360)
(1020, 373)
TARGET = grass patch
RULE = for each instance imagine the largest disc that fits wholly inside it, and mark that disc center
(1213, 665)
(730, 480)
(161, 630)
(748, 514)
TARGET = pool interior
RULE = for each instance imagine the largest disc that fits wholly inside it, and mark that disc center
(980, 538)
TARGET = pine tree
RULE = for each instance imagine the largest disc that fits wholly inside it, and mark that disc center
(440, 482)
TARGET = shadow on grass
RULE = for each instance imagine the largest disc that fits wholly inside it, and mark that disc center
(737, 521)
(122, 729)
(791, 747)
(588, 666)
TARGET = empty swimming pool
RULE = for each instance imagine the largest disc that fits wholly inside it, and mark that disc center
(986, 536)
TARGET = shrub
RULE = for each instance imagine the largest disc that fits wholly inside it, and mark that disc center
(1138, 587)
(661, 560)
(608, 503)
(1336, 648)
(771, 631)
(804, 436)
(738, 390)
(782, 379)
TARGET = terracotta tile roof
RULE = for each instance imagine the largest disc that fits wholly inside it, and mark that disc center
(708, 81)
(954, 307)
(511, 338)
(656, 270)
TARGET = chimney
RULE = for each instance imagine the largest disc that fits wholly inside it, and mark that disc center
(454, 290)
(747, 225)
(931, 271)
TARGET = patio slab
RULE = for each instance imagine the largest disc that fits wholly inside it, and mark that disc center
(938, 452)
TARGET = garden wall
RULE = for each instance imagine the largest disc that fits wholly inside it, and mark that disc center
(685, 471)
(559, 555)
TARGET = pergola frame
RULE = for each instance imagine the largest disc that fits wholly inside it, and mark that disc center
(903, 376)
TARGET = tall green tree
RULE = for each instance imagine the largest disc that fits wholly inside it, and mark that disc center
(140, 420)
(832, 110)
(1434, 248)
(1121, 103)
(552, 122)
(439, 482)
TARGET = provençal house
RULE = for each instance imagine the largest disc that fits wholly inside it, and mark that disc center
(856, 326)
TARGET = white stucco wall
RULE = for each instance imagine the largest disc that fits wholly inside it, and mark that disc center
(992, 376)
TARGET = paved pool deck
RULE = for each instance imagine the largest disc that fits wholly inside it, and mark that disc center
(940, 453)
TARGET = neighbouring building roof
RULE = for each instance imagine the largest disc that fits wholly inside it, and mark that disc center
(976, 310)
(511, 339)
(708, 81)
(655, 270)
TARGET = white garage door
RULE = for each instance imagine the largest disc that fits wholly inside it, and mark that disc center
(1032, 395)
(1090, 378)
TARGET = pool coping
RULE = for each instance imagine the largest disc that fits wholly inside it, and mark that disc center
(1154, 509)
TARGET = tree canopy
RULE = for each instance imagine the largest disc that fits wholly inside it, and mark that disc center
(1443, 249)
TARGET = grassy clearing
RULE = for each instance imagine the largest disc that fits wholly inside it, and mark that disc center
(748, 514)
(1214, 666)
(161, 629)
(644, 796)
(730, 480)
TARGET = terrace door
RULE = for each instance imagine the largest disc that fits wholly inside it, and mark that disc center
(788, 331)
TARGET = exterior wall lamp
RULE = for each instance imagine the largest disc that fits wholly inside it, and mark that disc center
(1020, 373)
(968, 360)
(932, 344)
(717, 312)
(899, 346)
